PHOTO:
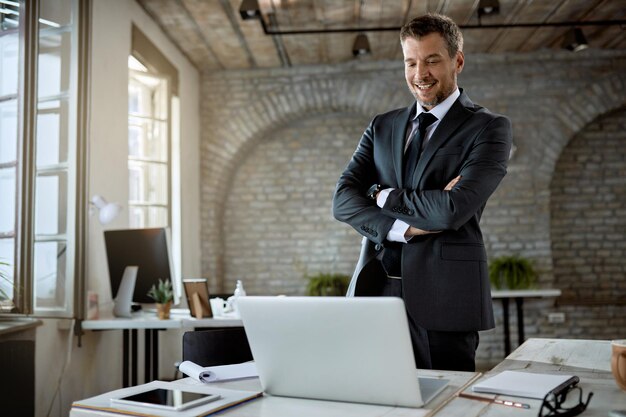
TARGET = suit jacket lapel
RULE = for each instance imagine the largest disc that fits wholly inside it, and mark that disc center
(456, 116)
(398, 136)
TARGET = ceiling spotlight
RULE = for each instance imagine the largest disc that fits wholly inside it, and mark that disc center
(575, 40)
(361, 46)
(486, 7)
(249, 9)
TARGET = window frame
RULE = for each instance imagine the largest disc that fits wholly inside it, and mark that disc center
(75, 168)
(166, 160)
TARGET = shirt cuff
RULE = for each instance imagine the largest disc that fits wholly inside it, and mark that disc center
(381, 199)
(397, 231)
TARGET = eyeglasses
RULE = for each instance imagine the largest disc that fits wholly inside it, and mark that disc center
(552, 405)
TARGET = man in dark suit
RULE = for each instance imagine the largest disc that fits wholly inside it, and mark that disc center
(416, 187)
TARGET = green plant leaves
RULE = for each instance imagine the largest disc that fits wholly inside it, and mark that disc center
(162, 292)
(328, 284)
(512, 272)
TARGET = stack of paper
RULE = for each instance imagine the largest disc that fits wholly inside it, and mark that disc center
(218, 373)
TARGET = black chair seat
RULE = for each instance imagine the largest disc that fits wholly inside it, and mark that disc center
(216, 346)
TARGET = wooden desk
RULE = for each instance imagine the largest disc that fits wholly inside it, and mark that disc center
(151, 325)
(588, 359)
(518, 296)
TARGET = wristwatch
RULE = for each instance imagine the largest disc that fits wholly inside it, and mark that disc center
(373, 190)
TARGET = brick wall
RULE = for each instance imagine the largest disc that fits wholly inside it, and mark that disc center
(588, 213)
(275, 141)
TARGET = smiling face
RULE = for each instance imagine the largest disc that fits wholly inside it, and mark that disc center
(429, 70)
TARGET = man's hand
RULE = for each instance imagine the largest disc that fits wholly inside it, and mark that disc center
(414, 231)
(452, 183)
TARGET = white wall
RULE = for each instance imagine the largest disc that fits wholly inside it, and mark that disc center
(96, 366)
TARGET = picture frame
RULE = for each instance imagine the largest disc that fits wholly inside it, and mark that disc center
(197, 293)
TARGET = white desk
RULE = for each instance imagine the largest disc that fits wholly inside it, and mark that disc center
(518, 296)
(151, 325)
(269, 406)
(588, 359)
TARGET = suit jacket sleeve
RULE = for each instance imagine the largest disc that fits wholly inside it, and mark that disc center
(350, 203)
(481, 172)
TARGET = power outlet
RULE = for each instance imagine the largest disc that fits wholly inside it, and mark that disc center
(556, 318)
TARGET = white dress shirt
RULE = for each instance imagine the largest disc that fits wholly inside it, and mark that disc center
(399, 228)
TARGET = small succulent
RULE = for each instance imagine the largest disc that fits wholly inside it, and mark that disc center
(162, 292)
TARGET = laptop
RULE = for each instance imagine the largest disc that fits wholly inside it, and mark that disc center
(336, 348)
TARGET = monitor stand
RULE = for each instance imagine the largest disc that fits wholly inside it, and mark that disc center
(124, 298)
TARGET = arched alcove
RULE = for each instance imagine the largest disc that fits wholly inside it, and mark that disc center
(277, 224)
(588, 213)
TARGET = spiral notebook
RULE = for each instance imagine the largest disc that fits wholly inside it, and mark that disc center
(523, 384)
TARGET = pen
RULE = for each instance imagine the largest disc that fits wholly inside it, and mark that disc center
(493, 400)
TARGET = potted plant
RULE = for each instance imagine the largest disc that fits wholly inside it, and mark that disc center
(324, 284)
(163, 294)
(512, 272)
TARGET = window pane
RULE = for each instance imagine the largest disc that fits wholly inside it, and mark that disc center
(51, 201)
(148, 217)
(148, 142)
(50, 267)
(157, 216)
(54, 62)
(147, 95)
(8, 131)
(6, 271)
(9, 53)
(52, 134)
(55, 13)
(7, 204)
(135, 103)
(147, 182)
(137, 217)
(9, 19)
(147, 139)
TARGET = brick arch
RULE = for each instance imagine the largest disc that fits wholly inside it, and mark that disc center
(238, 133)
(577, 111)
(593, 102)
(588, 206)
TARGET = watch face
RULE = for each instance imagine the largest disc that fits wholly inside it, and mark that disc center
(371, 193)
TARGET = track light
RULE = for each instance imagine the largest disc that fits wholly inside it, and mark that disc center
(249, 9)
(575, 40)
(361, 46)
(487, 7)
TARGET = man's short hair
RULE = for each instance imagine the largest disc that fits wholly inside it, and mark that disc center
(434, 23)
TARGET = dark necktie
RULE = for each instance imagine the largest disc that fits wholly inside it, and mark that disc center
(392, 257)
(412, 154)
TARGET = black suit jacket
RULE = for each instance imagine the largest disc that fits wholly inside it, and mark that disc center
(445, 278)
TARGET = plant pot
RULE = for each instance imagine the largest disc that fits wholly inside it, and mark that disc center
(163, 310)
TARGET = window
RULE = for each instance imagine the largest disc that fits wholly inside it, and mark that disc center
(154, 142)
(9, 69)
(148, 148)
(39, 154)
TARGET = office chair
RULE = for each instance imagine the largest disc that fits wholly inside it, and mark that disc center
(216, 346)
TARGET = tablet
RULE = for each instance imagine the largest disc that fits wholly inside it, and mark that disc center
(167, 399)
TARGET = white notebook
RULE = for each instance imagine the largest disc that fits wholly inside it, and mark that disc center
(522, 384)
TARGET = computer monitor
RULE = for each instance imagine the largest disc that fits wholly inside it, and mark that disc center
(149, 250)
